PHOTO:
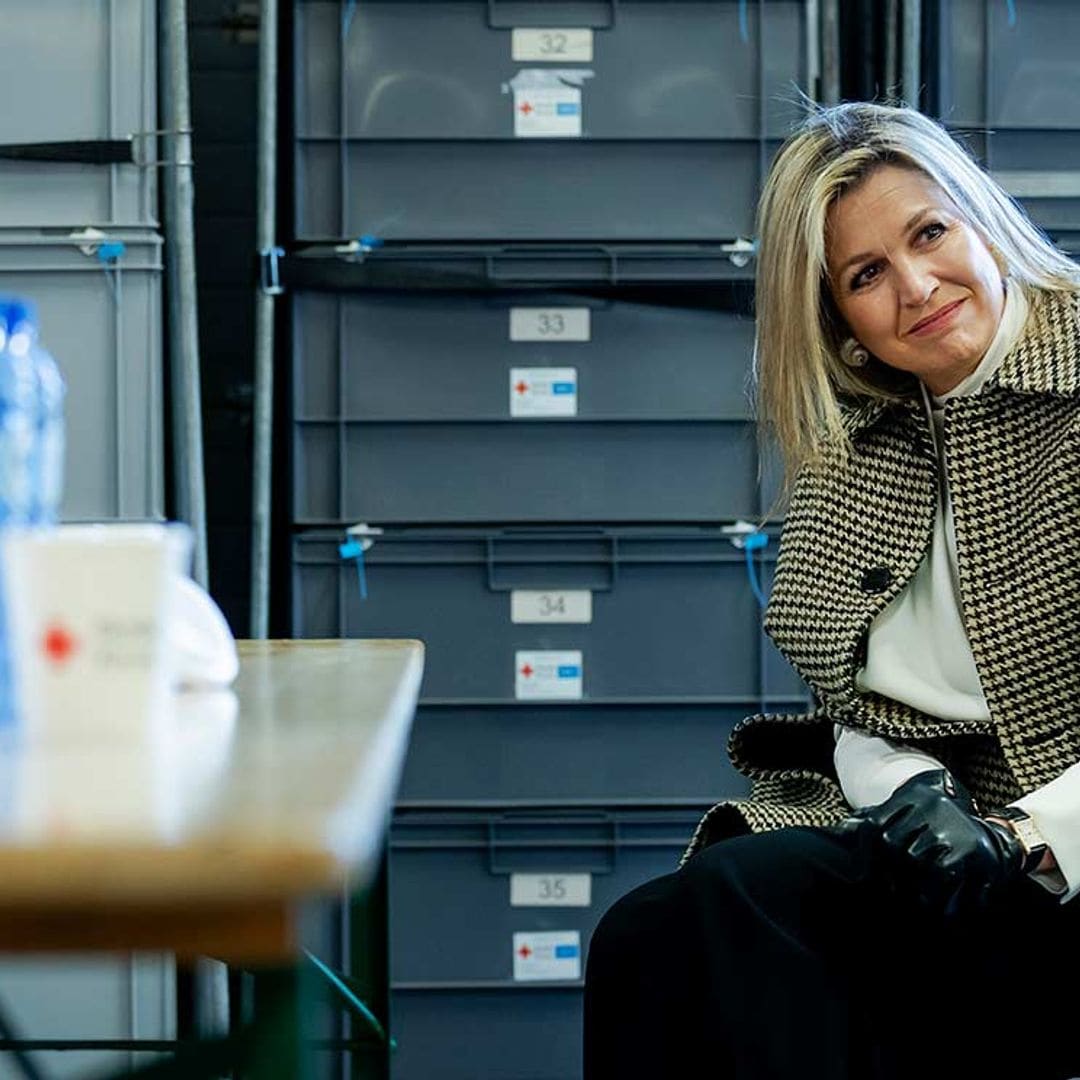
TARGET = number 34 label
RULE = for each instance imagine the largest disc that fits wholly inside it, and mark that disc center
(537, 606)
(550, 890)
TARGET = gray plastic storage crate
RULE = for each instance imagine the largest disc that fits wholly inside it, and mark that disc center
(570, 755)
(461, 1007)
(673, 616)
(421, 408)
(425, 119)
(1008, 74)
(102, 322)
(78, 71)
(531, 1033)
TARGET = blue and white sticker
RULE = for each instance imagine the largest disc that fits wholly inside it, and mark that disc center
(548, 674)
(543, 391)
(547, 103)
(547, 955)
(548, 112)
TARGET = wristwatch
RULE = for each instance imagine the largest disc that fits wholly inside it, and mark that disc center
(1023, 827)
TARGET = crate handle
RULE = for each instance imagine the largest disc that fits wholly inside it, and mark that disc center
(612, 562)
(495, 24)
(603, 866)
(509, 253)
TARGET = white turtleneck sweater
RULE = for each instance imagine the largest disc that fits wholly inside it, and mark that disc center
(918, 653)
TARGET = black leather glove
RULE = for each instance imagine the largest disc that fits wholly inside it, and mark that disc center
(939, 852)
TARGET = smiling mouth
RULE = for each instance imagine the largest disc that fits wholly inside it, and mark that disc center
(932, 320)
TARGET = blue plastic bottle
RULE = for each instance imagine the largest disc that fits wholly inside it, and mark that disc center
(18, 416)
(46, 464)
(18, 429)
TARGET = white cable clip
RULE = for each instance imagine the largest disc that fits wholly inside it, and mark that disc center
(739, 533)
(364, 533)
(740, 251)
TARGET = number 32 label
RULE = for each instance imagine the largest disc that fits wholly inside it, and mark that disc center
(554, 44)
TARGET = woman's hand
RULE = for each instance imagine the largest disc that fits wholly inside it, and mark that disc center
(929, 836)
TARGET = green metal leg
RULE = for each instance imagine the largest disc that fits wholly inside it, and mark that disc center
(277, 1052)
(369, 967)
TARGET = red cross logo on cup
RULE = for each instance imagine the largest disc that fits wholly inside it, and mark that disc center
(58, 644)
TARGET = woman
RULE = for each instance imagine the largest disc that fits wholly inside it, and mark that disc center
(918, 361)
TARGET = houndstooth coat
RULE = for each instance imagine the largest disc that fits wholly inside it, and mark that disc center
(854, 537)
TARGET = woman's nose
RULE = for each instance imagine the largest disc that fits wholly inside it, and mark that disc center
(915, 282)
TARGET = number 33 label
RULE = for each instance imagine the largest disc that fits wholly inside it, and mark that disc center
(550, 324)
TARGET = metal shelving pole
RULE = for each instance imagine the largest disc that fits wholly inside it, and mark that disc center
(179, 190)
(264, 321)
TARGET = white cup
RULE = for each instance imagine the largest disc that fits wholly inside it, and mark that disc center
(87, 608)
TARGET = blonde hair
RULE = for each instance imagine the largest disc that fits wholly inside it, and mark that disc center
(800, 377)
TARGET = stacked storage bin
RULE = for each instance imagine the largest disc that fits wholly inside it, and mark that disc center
(532, 419)
(81, 242)
(1007, 78)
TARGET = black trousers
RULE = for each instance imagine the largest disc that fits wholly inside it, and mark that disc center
(785, 956)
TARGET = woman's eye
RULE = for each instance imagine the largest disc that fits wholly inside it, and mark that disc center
(933, 230)
(865, 276)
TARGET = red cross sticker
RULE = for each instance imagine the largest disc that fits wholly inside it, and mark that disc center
(526, 671)
(521, 387)
(524, 952)
(57, 644)
(525, 107)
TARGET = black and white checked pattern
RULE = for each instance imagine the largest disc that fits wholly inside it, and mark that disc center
(854, 537)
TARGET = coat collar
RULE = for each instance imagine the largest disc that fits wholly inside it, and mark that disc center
(1044, 360)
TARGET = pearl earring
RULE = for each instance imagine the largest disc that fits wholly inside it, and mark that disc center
(853, 354)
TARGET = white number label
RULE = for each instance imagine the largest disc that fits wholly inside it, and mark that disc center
(550, 890)
(537, 606)
(555, 44)
(550, 324)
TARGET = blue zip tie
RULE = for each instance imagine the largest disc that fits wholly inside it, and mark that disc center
(744, 26)
(755, 542)
(1011, 5)
(353, 1000)
(353, 549)
(369, 243)
(110, 251)
(347, 17)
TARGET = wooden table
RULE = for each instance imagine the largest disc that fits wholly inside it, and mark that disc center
(205, 840)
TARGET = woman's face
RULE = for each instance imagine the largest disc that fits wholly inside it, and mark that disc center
(915, 283)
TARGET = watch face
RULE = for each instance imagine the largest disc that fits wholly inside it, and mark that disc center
(1028, 834)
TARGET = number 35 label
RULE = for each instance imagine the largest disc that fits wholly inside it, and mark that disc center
(535, 606)
(576, 45)
(550, 890)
